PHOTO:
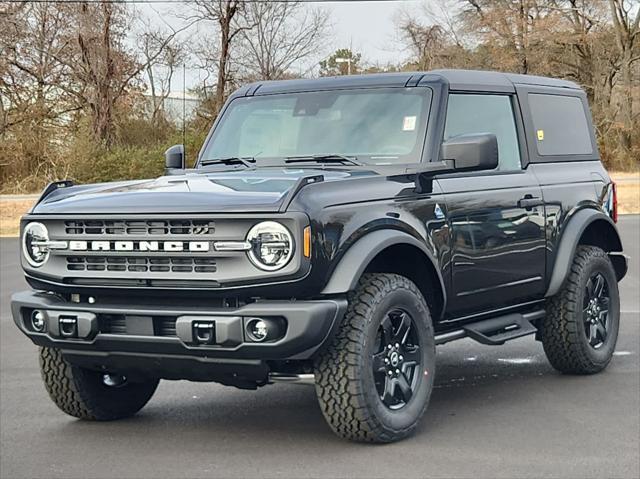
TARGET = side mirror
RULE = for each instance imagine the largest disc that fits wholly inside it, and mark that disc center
(174, 157)
(471, 152)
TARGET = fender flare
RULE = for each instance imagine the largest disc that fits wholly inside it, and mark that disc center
(359, 255)
(569, 239)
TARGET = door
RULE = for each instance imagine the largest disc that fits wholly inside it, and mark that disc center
(496, 218)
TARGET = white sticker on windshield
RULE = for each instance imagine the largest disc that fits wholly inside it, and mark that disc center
(409, 123)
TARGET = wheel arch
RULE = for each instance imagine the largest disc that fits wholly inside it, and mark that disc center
(586, 227)
(390, 251)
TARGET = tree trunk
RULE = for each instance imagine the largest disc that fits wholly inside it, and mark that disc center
(100, 65)
(524, 61)
(627, 100)
(225, 26)
(626, 28)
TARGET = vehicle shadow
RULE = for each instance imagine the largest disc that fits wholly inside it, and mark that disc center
(282, 414)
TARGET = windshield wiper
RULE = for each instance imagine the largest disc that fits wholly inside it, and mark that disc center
(350, 160)
(247, 161)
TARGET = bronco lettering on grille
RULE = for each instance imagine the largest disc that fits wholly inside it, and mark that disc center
(194, 246)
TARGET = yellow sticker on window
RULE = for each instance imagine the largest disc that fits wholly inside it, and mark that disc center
(540, 135)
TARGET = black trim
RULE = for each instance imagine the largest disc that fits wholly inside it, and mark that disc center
(309, 324)
(534, 157)
(568, 243)
(355, 260)
(301, 183)
(50, 188)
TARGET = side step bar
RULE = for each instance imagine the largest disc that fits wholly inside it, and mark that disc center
(291, 378)
(495, 331)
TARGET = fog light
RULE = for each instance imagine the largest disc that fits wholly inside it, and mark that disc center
(257, 329)
(37, 320)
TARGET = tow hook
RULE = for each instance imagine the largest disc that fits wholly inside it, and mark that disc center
(62, 324)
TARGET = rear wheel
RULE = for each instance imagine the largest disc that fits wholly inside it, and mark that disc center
(580, 330)
(375, 378)
(88, 394)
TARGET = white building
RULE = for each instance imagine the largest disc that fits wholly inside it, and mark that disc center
(175, 103)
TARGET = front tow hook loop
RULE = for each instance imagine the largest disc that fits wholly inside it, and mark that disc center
(68, 327)
(204, 332)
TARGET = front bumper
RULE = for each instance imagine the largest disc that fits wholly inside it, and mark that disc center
(116, 330)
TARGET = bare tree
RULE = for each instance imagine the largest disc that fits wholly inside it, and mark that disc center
(627, 34)
(33, 104)
(228, 15)
(516, 27)
(103, 70)
(576, 42)
(100, 68)
(426, 42)
(284, 34)
(30, 75)
(162, 57)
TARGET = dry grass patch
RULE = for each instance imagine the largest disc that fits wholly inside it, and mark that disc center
(625, 175)
(628, 184)
(10, 213)
(628, 198)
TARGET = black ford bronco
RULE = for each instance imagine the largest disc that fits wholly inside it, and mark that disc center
(333, 231)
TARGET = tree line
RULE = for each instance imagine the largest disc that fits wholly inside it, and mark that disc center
(72, 75)
(595, 43)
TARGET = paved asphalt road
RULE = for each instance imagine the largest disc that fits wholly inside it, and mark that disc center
(496, 412)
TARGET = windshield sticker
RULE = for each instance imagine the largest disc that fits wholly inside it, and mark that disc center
(409, 123)
(540, 135)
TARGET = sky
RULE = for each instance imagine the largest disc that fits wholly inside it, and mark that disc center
(365, 26)
(369, 26)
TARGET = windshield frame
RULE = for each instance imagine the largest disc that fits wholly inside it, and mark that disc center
(421, 141)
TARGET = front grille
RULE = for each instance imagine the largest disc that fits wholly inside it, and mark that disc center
(141, 264)
(140, 227)
(164, 326)
(154, 251)
(112, 324)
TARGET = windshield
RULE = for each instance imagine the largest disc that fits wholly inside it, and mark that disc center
(376, 126)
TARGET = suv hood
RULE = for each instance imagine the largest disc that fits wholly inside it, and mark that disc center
(262, 190)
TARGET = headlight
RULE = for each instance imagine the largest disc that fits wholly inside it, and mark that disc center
(33, 248)
(271, 245)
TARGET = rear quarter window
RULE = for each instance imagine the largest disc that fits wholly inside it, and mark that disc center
(561, 125)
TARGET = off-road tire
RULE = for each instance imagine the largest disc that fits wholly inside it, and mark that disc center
(82, 393)
(344, 378)
(563, 337)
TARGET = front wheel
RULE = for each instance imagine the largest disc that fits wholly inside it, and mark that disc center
(88, 394)
(375, 378)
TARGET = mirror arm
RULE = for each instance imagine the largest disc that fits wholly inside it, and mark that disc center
(425, 172)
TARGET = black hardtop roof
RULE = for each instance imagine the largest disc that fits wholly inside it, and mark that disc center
(468, 80)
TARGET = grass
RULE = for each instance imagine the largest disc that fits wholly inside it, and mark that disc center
(628, 203)
(629, 198)
(10, 212)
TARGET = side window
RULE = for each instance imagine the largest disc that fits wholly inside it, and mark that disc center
(467, 114)
(561, 125)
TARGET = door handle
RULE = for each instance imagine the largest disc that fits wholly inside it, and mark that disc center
(528, 202)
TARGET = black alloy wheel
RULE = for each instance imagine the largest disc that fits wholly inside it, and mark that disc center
(397, 360)
(595, 310)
